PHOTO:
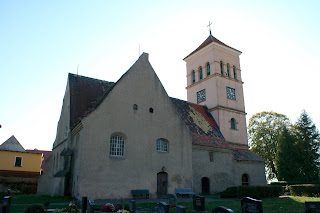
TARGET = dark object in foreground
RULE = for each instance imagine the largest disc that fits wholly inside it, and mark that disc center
(222, 209)
(250, 205)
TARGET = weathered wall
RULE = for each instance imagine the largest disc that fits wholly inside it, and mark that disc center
(220, 171)
(104, 176)
(255, 171)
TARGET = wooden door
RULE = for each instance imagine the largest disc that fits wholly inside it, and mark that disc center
(162, 184)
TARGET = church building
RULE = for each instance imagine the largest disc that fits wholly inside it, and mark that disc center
(114, 137)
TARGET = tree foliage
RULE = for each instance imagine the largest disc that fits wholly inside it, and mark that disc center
(263, 132)
(291, 152)
(286, 161)
(307, 147)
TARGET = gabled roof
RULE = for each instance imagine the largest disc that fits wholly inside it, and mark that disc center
(201, 124)
(12, 144)
(85, 96)
(208, 41)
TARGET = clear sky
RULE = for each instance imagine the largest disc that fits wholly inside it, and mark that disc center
(42, 41)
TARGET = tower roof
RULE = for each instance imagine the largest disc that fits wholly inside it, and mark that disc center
(209, 40)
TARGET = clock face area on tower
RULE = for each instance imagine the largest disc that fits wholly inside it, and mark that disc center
(231, 93)
(201, 96)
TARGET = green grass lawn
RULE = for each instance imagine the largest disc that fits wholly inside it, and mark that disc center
(292, 204)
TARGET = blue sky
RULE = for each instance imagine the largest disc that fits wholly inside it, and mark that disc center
(42, 41)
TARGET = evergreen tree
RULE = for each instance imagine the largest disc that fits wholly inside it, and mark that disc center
(285, 162)
(307, 144)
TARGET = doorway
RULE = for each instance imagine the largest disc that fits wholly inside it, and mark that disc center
(162, 184)
(205, 185)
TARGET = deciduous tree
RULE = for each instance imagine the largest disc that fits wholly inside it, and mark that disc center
(263, 132)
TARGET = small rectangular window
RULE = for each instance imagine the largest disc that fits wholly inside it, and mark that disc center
(211, 156)
(18, 161)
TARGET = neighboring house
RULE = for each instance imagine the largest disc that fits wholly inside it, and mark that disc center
(116, 137)
(19, 170)
(46, 155)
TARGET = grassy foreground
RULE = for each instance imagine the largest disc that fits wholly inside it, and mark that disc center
(291, 204)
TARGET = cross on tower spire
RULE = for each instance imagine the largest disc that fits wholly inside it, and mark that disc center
(209, 25)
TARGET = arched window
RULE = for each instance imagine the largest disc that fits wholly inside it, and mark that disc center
(245, 180)
(151, 110)
(208, 69)
(228, 70)
(234, 72)
(117, 146)
(221, 67)
(162, 145)
(200, 73)
(193, 77)
(233, 123)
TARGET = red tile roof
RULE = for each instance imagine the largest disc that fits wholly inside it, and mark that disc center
(208, 41)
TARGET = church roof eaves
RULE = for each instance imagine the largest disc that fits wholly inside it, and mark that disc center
(209, 40)
(244, 154)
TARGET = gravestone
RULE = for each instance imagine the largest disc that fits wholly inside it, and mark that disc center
(172, 200)
(132, 206)
(250, 205)
(222, 209)
(312, 207)
(180, 209)
(198, 203)
(91, 206)
(84, 204)
(6, 204)
(163, 207)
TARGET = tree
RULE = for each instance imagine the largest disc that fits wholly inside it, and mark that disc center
(308, 140)
(263, 132)
(286, 161)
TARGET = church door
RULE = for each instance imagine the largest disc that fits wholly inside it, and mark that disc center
(162, 184)
(205, 185)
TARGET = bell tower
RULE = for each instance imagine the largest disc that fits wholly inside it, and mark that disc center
(214, 80)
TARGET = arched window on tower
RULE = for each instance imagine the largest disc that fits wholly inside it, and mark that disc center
(208, 69)
(233, 123)
(228, 70)
(221, 67)
(200, 73)
(193, 77)
(234, 72)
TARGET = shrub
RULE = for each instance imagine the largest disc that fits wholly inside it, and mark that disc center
(304, 190)
(35, 208)
(259, 192)
(230, 192)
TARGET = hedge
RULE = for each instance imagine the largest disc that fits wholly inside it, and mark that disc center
(257, 192)
(309, 190)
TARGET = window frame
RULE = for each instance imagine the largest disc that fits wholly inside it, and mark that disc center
(233, 124)
(228, 69)
(117, 146)
(15, 161)
(193, 76)
(162, 145)
(221, 68)
(234, 72)
(200, 73)
(208, 69)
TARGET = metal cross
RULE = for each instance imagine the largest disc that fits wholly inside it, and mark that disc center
(209, 27)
